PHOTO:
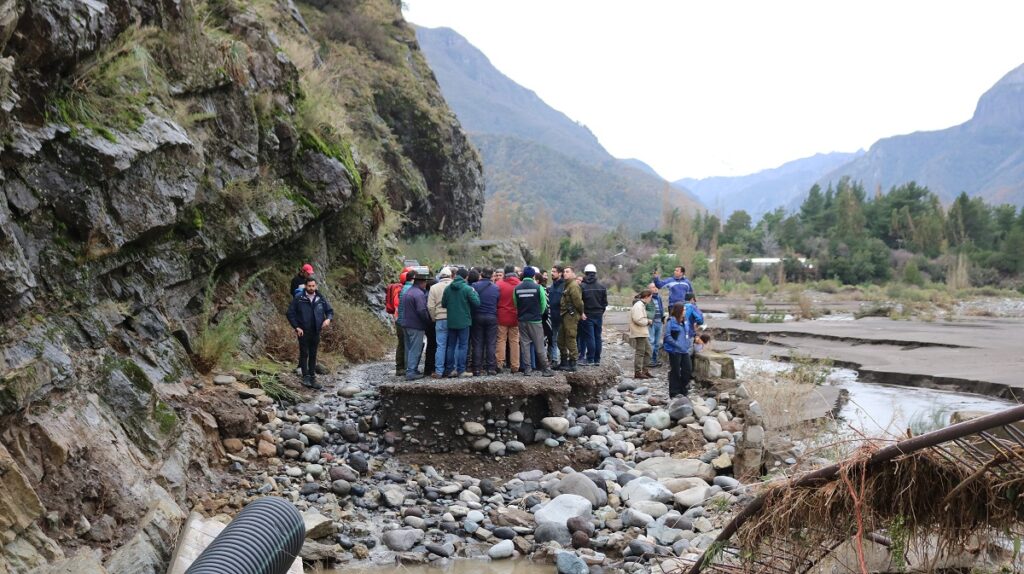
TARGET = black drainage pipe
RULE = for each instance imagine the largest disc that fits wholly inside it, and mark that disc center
(264, 538)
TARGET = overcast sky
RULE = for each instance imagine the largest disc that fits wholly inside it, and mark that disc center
(731, 87)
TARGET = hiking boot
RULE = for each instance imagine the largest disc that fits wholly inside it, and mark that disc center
(311, 383)
(492, 373)
(547, 373)
(570, 367)
(558, 367)
(526, 372)
(435, 376)
(415, 377)
(639, 375)
(647, 374)
(465, 374)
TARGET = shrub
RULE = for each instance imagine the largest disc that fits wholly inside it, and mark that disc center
(912, 274)
(805, 307)
(356, 334)
(218, 333)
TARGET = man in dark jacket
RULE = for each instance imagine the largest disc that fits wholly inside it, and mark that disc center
(415, 322)
(485, 325)
(555, 310)
(531, 301)
(460, 300)
(595, 301)
(309, 313)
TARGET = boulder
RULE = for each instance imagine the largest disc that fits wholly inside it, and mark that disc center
(580, 485)
(644, 489)
(691, 497)
(556, 425)
(664, 468)
(502, 550)
(633, 517)
(317, 525)
(561, 508)
(651, 507)
(712, 429)
(403, 539)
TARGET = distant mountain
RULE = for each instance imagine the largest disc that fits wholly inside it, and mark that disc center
(761, 192)
(534, 154)
(640, 165)
(983, 156)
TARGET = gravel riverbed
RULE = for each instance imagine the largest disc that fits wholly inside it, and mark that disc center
(625, 483)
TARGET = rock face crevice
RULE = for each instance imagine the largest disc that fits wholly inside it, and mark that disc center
(147, 146)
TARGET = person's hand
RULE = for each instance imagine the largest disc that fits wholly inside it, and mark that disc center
(657, 274)
(327, 323)
(583, 316)
(298, 331)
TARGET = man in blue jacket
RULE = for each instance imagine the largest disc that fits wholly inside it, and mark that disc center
(415, 321)
(309, 314)
(554, 311)
(678, 286)
(485, 325)
(657, 321)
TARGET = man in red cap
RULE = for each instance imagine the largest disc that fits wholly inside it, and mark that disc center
(299, 281)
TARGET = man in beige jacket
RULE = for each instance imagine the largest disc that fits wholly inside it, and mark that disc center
(444, 359)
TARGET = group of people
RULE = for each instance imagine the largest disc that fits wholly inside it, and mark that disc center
(476, 322)
(648, 321)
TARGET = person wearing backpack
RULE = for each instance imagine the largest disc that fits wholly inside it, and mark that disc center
(677, 345)
(391, 305)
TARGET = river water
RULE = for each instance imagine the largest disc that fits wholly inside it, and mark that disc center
(877, 410)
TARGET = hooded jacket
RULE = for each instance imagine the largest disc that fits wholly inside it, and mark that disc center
(437, 312)
(677, 340)
(394, 290)
(459, 300)
(507, 314)
(401, 295)
(692, 318)
(414, 310)
(595, 296)
(489, 293)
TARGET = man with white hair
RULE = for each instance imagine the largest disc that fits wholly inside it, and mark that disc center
(444, 358)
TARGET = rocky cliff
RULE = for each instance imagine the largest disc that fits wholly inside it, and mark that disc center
(151, 152)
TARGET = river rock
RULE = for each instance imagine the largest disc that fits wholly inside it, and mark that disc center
(394, 495)
(580, 539)
(643, 489)
(664, 535)
(561, 508)
(557, 425)
(441, 550)
(315, 470)
(691, 497)
(496, 448)
(317, 525)
(350, 432)
(570, 563)
(712, 429)
(658, 419)
(341, 487)
(504, 533)
(348, 391)
(474, 428)
(266, 449)
(620, 414)
(633, 517)
(314, 432)
(664, 468)
(224, 380)
(637, 408)
(580, 524)
(726, 482)
(481, 444)
(551, 532)
(515, 446)
(403, 539)
(516, 417)
(502, 550)
(580, 485)
(651, 507)
(359, 463)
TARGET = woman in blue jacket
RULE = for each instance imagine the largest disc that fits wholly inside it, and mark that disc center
(677, 345)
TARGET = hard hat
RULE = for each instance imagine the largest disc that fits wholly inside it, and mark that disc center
(590, 268)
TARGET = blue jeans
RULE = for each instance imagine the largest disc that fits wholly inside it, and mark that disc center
(655, 338)
(553, 354)
(458, 342)
(590, 330)
(444, 359)
(413, 350)
(583, 341)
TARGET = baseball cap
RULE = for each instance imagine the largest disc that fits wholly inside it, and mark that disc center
(307, 268)
(446, 272)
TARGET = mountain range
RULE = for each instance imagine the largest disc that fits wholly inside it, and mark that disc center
(533, 154)
(983, 156)
(761, 192)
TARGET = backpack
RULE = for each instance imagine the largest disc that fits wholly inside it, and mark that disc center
(391, 301)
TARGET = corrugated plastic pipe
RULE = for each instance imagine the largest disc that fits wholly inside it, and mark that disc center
(264, 538)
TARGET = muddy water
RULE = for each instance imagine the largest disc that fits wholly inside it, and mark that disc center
(457, 567)
(888, 410)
